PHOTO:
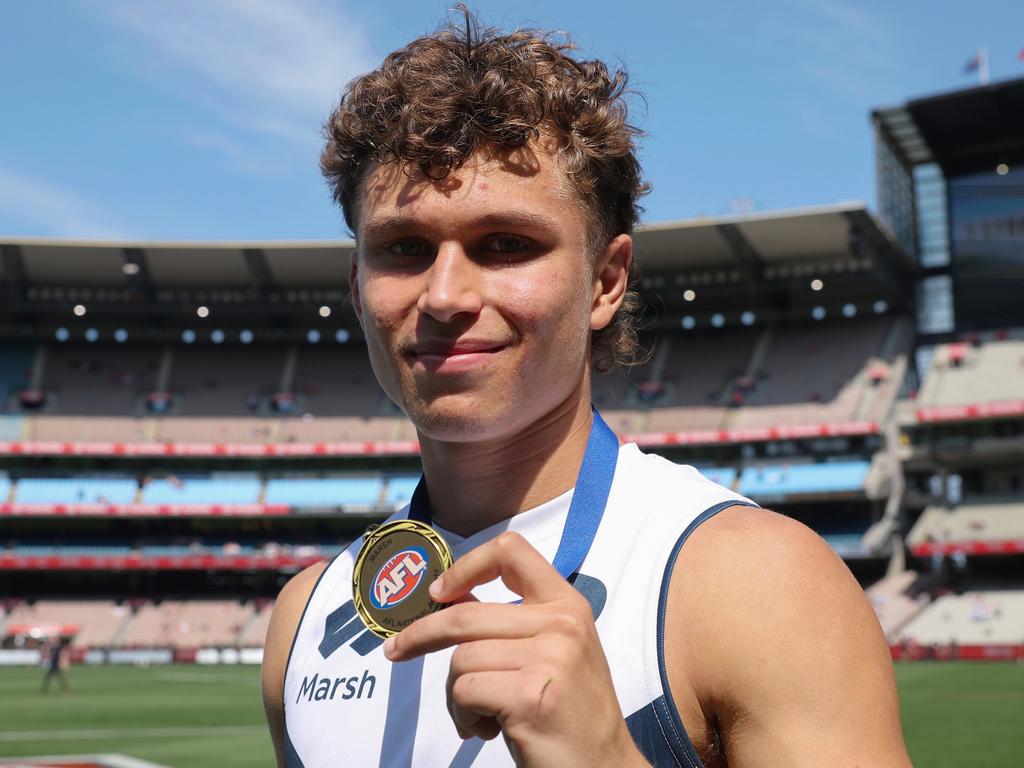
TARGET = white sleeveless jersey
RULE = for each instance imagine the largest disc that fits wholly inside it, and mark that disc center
(347, 705)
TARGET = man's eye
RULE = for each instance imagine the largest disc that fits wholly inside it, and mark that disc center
(408, 249)
(507, 244)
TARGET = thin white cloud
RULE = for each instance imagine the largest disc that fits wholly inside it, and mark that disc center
(50, 210)
(846, 49)
(277, 67)
(850, 16)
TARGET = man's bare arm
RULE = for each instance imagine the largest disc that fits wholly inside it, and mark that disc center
(771, 632)
(284, 622)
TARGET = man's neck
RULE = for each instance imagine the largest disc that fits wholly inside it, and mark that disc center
(475, 485)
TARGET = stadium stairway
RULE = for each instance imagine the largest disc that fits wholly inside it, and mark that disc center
(122, 629)
(247, 626)
(893, 607)
(754, 363)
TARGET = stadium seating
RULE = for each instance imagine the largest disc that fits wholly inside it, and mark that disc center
(698, 376)
(791, 479)
(316, 429)
(337, 380)
(325, 491)
(221, 381)
(991, 617)
(847, 544)
(98, 379)
(615, 395)
(725, 476)
(185, 429)
(893, 606)
(255, 631)
(215, 489)
(168, 624)
(187, 624)
(812, 374)
(120, 429)
(11, 428)
(15, 369)
(961, 374)
(75, 490)
(400, 488)
(991, 519)
(98, 621)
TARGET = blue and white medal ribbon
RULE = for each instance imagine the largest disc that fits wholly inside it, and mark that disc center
(593, 484)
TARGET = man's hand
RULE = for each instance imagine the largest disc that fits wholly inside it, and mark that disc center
(534, 672)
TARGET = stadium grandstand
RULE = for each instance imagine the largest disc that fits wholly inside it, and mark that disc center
(185, 425)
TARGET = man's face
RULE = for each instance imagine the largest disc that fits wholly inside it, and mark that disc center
(476, 293)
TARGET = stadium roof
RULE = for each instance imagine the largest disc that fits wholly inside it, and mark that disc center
(748, 242)
(43, 261)
(963, 131)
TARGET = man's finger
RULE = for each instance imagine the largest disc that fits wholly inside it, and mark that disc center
(493, 655)
(499, 695)
(509, 557)
(464, 622)
(483, 656)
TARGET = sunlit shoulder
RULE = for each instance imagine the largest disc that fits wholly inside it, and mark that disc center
(770, 631)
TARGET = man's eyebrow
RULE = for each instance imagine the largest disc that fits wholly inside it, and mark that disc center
(511, 219)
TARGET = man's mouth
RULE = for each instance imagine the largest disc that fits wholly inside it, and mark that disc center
(457, 355)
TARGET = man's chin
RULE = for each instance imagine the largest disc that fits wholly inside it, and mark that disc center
(464, 422)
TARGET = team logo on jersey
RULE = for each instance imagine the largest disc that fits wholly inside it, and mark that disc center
(398, 578)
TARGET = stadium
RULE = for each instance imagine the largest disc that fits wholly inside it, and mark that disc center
(187, 425)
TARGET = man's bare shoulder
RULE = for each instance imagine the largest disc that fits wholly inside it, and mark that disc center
(772, 634)
(284, 621)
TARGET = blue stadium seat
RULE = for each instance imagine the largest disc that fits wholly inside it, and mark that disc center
(324, 491)
(722, 475)
(76, 490)
(11, 428)
(846, 544)
(400, 488)
(215, 489)
(777, 480)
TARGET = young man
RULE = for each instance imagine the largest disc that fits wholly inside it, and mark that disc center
(491, 184)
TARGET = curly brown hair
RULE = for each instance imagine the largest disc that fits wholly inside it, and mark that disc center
(432, 104)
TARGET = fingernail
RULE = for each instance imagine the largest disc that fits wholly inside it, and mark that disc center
(437, 586)
(389, 647)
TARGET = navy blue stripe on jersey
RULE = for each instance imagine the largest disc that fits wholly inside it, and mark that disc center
(593, 589)
(340, 626)
(648, 735)
(669, 723)
(291, 757)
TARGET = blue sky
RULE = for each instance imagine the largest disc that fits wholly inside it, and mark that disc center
(200, 119)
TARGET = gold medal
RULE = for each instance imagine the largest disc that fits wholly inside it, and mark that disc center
(395, 567)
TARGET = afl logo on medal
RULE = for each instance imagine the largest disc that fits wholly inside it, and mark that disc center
(395, 567)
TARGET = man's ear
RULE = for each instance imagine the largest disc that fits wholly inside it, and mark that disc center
(611, 279)
(353, 285)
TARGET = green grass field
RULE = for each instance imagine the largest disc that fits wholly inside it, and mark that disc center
(954, 715)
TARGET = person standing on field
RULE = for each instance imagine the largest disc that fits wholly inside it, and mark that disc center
(55, 657)
(606, 607)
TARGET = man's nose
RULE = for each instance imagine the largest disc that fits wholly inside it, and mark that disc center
(453, 285)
